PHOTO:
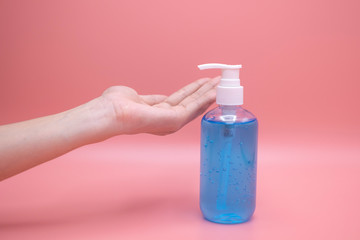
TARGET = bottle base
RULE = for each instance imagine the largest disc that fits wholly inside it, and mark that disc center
(228, 218)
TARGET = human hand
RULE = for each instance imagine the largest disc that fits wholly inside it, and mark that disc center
(159, 114)
(120, 110)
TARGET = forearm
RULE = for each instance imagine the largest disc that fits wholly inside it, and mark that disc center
(27, 144)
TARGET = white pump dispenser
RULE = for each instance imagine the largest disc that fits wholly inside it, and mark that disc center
(229, 91)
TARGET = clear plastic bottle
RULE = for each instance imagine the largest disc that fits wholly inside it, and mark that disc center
(228, 164)
(228, 153)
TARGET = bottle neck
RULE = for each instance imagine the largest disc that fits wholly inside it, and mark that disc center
(229, 109)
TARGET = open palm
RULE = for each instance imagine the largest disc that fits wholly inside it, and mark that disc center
(159, 114)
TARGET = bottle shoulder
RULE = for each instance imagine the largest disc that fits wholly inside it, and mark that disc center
(229, 114)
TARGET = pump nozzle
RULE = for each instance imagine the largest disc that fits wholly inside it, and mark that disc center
(229, 91)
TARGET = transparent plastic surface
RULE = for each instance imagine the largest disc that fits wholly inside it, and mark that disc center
(228, 165)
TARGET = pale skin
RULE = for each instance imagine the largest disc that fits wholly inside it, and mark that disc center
(119, 110)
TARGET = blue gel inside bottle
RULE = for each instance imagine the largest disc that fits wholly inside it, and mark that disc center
(228, 165)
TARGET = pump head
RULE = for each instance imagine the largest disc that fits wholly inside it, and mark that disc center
(229, 91)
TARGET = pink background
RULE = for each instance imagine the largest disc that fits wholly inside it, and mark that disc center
(301, 79)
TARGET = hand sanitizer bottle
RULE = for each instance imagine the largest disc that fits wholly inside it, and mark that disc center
(228, 153)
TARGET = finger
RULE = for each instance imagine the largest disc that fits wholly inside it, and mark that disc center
(186, 91)
(195, 108)
(165, 120)
(199, 95)
(153, 99)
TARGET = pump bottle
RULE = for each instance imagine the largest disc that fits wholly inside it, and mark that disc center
(228, 153)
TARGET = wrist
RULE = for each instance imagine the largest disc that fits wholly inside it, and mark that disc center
(91, 122)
